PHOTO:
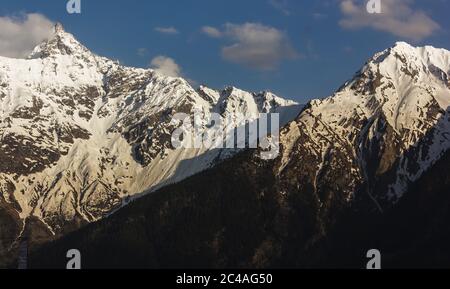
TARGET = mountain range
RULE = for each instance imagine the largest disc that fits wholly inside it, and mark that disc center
(86, 162)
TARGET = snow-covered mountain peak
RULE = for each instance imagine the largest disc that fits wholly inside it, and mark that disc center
(232, 92)
(428, 54)
(396, 105)
(402, 46)
(210, 95)
(261, 98)
(269, 101)
(403, 55)
(59, 28)
(60, 43)
(234, 100)
(396, 74)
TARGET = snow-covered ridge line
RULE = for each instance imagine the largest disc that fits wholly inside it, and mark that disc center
(80, 134)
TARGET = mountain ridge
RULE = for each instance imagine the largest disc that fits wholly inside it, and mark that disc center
(82, 134)
(361, 148)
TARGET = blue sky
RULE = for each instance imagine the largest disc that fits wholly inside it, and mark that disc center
(297, 49)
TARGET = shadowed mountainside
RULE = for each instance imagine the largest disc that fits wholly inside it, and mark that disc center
(232, 216)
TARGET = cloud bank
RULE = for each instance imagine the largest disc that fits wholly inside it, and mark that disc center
(166, 65)
(19, 35)
(254, 45)
(212, 31)
(397, 17)
(167, 30)
(280, 5)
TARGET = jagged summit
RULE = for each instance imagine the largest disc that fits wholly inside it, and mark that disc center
(414, 56)
(402, 46)
(234, 100)
(60, 43)
(59, 28)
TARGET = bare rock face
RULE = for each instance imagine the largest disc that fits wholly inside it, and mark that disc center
(80, 135)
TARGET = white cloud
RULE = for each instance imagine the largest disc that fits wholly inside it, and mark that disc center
(167, 30)
(397, 17)
(166, 65)
(257, 46)
(212, 31)
(281, 5)
(319, 16)
(19, 35)
(142, 51)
